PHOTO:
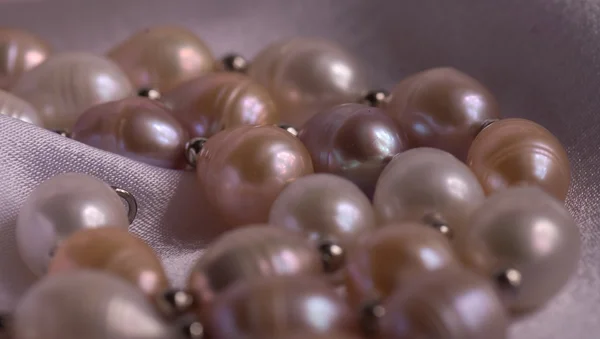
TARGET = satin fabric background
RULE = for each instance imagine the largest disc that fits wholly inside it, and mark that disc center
(540, 57)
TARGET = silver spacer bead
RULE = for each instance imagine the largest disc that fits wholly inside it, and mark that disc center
(191, 327)
(375, 98)
(332, 256)
(370, 314)
(234, 63)
(150, 93)
(436, 221)
(509, 280)
(132, 206)
(62, 133)
(175, 302)
(192, 148)
(289, 128)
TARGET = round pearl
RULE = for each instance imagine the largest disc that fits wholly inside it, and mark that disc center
(274, 306)
(353, 141)
(422, 183)
(115, 251)
(68, 84)
(307, 75)
(448, 304)
(87, 304)
(244, 169)
(442, 108)
(138, 128)
(517, 151)
(213, 102)
(527, 230)
(251, 252)
(15, 107)
(385, 260)
(59, 207)
(163, 57)
(20, 51)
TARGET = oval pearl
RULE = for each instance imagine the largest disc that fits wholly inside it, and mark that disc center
(163, 57)
(244, 169)
(87, 304)
(115, 251)
(425, 182)
(213, 102)
(528, 230)
(386, 259)
(448, 304)
(57, 208)
(511, 152)
(274, 306)
(20, 51)
(442, 108)
(307, 75)
(138, 128)
(250, 252)
(69, 83)
(15, 107)
(353, 141)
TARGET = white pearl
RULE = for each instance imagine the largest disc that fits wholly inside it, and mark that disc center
(60, 206)
(15, 107)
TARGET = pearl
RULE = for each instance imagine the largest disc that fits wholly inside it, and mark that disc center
(59, 207)
(517, 151)
(526, 230)
(426, 184)
(243, 170)
(87, 304)
(68, 84)
(20, 51)
(448, 304)
(15, 107)
(115, 251)
(324, 335)
(307, 75)
(386, 259)
(138, 128)
(163, 57)
(275, 306)
(353, 141)
(442, 108)
(213, 102)
(251, 252)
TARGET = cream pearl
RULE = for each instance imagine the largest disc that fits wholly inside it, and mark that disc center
(244, 169)
(68, 84)
(527, 230)
(138, 128)
(250, 252)
(20, 51)
(426, 184)
(59, 207)
(87, 304)
(274, 306)
(307, 75)
(447, 304)
(15, 107)
(163, 57)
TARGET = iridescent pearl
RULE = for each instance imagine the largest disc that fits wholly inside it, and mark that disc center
(274, 306)
(57, 208)
(20, 51)
(87, 304)
(513, 152)
(442, 108)
(244, 169)
(135, 127)
(15, 107)
(68, 84)
(353, 141)
(213, 102)
(307, 75)
(385, 260)
(115, 251)
(163, 57)
(251, 252)
(527, 230)
(448, 304)
(425, 184)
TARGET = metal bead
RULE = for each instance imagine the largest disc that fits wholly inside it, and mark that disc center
(438, 223)
(375, 98)
(510, 279)
(175, 302)
(234, 63)
(132, 206)
(62, 133)
(370, 314)
(333, 256)
(191, 327)
(192, 148)
(149, 93)
(289, 128)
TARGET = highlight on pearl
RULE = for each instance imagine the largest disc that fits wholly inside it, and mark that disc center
(20, 51)
(15, 107)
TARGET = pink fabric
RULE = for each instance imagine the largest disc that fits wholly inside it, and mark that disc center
(540, 57)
